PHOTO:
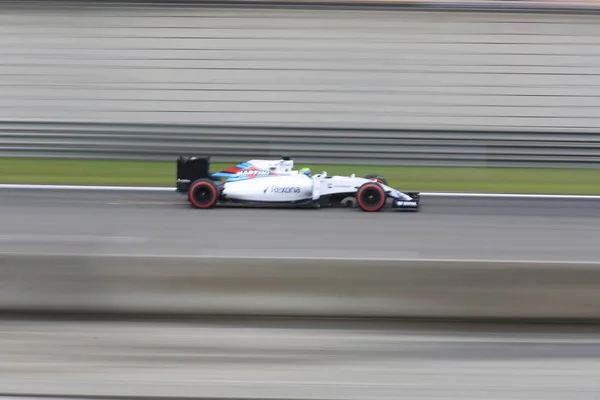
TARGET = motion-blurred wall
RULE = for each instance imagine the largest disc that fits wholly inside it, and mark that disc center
(322, 68)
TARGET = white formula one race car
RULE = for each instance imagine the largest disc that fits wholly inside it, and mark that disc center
(275, 182)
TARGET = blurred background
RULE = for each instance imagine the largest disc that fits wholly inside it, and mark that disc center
(111, 285)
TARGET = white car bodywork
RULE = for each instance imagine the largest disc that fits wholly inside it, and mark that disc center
(296, 187)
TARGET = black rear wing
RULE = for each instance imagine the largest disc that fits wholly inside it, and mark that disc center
(191, 168)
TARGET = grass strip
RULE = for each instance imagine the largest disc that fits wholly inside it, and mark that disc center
(439, 179)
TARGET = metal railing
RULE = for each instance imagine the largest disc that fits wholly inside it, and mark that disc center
(310, 144)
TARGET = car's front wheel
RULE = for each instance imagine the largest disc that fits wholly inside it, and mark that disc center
(370, 197)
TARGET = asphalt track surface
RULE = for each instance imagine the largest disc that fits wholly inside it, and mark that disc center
(298, 360)
(119, 222)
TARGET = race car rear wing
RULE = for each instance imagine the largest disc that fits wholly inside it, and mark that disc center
(191, 168)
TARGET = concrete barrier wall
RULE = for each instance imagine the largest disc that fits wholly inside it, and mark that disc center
(300, 287)
(291, 67)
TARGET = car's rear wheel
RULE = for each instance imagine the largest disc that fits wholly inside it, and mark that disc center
(203, 194)
(370, 197)
(377, 178)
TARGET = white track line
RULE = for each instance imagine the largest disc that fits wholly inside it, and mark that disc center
(284, 259)
(78, 187)
(172, 189)
(513, 195)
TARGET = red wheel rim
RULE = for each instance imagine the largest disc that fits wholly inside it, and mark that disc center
(374, 206)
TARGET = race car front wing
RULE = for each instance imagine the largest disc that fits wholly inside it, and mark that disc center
(412, 204)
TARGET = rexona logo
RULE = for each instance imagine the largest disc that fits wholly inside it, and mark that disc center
(282, 189)
(253, 172)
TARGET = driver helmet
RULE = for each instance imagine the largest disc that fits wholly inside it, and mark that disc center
(304, 171)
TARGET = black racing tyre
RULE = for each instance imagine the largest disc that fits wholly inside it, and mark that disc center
(370, 197)
(203, 194)
(377, 178)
